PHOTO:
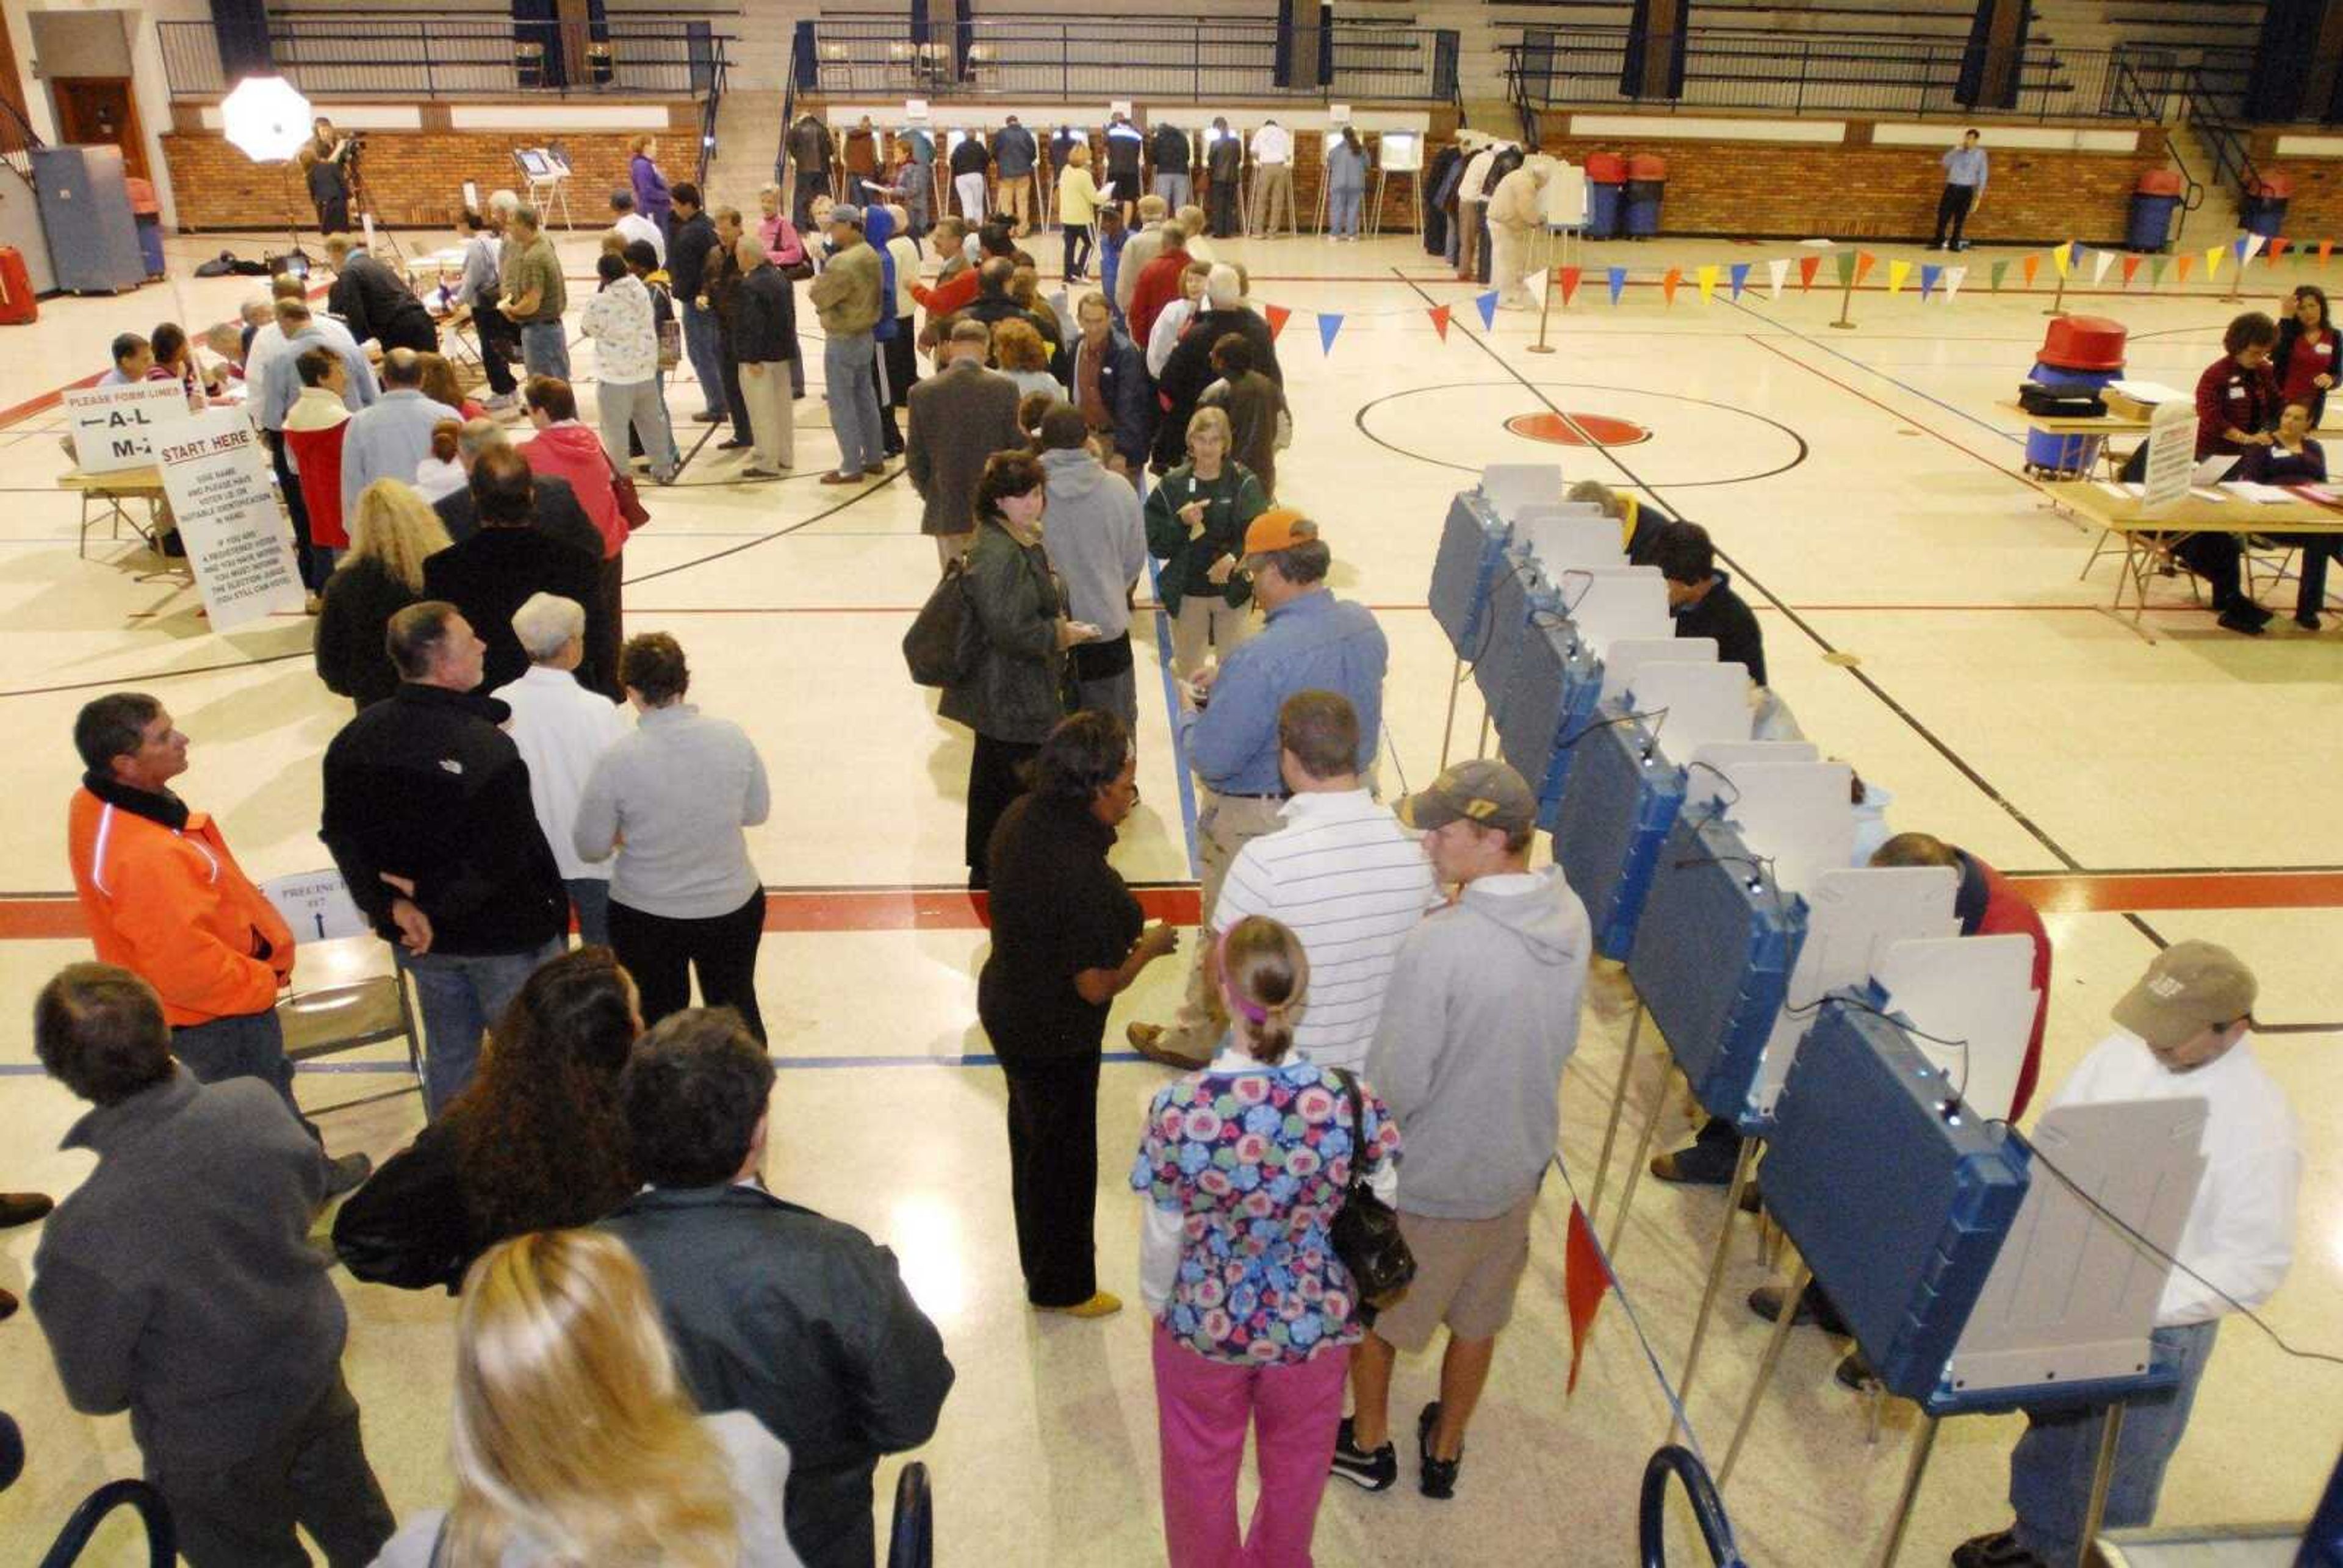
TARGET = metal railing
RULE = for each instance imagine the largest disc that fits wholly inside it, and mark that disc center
(707, 111)
(1586, 66)
(2223, 137)
(433, 55)
(1177, 58)
(17, 140)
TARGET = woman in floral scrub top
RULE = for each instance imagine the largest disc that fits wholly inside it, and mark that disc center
(1245, 1162)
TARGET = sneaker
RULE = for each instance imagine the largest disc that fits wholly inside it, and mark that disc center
(346, 1174)
(1147, 1039)
(501, 402)
(1377, 1472)
(1435, 1477)
(23, 1208)
(1100, 1304)
(1999, 1550)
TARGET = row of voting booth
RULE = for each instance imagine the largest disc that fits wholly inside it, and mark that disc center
(1831, 1012)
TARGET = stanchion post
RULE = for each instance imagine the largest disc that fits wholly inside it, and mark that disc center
(1618, 1104)
(2103, 1471)
(1455, 679)
(1845, 302)
(1740, 1169)
(1635, 1166)
(1775, 1343)
(1546, 300)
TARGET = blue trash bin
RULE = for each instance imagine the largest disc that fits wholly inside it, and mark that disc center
(2079, 354)
(2153, 202)
(2264, 212)
(1646, 183)
(1606, 177)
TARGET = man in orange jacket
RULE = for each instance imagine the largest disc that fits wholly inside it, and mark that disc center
(166, 900)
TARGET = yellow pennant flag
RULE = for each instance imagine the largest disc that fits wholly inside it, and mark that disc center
(1707, 275)
(2059, 255)
(2213, 255)
(1898, 271)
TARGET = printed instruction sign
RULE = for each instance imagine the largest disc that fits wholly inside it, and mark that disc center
(114, 427)
(239, 543)
(2171, 454)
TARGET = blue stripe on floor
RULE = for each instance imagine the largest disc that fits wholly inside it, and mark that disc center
(780, 1064)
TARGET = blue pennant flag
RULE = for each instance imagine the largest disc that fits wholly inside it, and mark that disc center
(1488, 307)
(1928, 276)
(2240, 248)
(1618, 275)
(1329, 324)
(1739, 274)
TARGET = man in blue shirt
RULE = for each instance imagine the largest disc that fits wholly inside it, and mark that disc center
(390, 437)
(1312, 641)
(1964, 188)
(1014, 154)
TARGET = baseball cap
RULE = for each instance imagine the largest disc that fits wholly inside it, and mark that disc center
(1278, 529)
(2188, 988)
(841, 213)
(1482, 790)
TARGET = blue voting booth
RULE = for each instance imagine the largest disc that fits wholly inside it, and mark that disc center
(1622, 800)
(1472, 546)
(1548, 700)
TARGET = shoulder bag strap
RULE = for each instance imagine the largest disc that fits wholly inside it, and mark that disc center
(1350, 1082)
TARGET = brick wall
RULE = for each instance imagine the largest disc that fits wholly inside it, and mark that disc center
(2314, 211)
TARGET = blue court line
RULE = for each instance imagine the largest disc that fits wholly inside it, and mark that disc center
(1874, 370)
(1171, 711)
(780, 1064)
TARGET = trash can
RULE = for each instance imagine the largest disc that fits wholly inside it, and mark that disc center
(149, 213)
(1647, 174)
(2079, 354)
(2264, 212)
(1606, 175)
(2153, 201)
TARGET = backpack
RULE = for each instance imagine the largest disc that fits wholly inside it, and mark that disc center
(946, 640)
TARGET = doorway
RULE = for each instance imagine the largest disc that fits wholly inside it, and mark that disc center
(100, 109)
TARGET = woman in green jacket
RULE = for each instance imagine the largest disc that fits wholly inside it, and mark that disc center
(1017, 692)
(1195, 526)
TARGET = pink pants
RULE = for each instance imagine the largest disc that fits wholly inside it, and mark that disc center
(1202, 1410)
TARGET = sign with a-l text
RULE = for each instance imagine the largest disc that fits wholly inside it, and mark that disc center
(238, 542)
(114, 427)
(2171, 453)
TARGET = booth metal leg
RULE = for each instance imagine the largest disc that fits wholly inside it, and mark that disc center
(1455, 679)
(1741, 1166)
(1767, 1364)
(1618, 1104)
(1635, 1166)
(1922, 1443)
(2103, 1471)
(1481, 747)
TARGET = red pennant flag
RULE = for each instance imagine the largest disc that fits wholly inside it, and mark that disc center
(2276, 249)
(1570, 275)
(1864, 262)
(1584, 1282)
(2030, 266)
(1807, 265)
(2326, 250)
(1668, 284)
(2130, 265)
(2180, 265)
(1439, 314)
(1276, 315)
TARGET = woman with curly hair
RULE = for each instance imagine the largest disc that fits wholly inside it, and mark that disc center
(536, 1141)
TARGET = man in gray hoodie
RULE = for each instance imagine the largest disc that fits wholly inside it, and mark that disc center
(1480, 1018)
(1097, 544)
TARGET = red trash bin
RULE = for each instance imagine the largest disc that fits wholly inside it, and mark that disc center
(18, 306)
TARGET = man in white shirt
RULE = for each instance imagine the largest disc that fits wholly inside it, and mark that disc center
(1272, 178)
(1138, 250)
(2182, 1036)
(1341, 874)
(1472, 197)
(635, 225)
(561, 730)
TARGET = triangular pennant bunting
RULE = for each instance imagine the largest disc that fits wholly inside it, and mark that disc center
(1807, 266)
(1738, 273)
(1898, 271)
(2326, 250)
(2029, 266)
(1864, 262)
(2155, 265)
(2213, 255)
(1775, 271)
(2277, 247)
(1569, 277)
(1329, 324)
(1668, 284)
(2100, 261)
(2000, 268)
(1584, 1282)
(1617, 278)
(2062, 256)
(1928, 276)
(1707, 275)
(2130, 269)
(1486, 304)
(1953, 276)
(1439, 314)
(1276, 315)
(2180, 265)
(2248, 243)
(1846, 269)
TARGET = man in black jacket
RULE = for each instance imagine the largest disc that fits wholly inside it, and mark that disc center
(1171, 150)
(811, 154)
(556, 511)
(1702, 601)
(690, 235)
(428, 815)
(493, 573)
(1224, 165)
(764, 341)
(970, 161)
(373, 303)
(799, 1320)
(1125, 150)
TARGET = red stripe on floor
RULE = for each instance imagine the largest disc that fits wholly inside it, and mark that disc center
(45, 401)
(2086, 894)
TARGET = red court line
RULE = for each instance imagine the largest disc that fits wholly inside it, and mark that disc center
(2063, 893)
(45, 401)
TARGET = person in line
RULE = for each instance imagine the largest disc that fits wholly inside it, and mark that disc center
(1068, 937)
(1126, 148)
(1097, 544)
(720, 292)
(1021, 355)
(554, 508)
(1312, 641)
(1472, 192)
(477, 295)
(895, 370)
(1479, 1021)
(386, 439)
(621, 321)
(441, 473)
(915, 178)
(1196, 523)
(177, 1282)
(672, 800)
(441, 385)
(373, 302)
(2292, 457)
(1189, 370)
(133, 358)
(799, 1321)
(2182, 1032)
(1255, 1316)
(567, 449)
(1171, 321)
(2238, 408)
(18, 1209)
(1113, 238)
(1702, 601)
(1223, 171)
(1079, 200)
(1169, 151)
(1111, 391)
(536, 1144)
(428, 817)
(1158, 284)
(505, 562)
(811, 154)
(765, 340)
(272, 399)
(164, 899)
(1339, 872)
(1139, 249)
(691, 237)
(1012, 698)
(575, 1441)
(2308, 355)
(860, 155)
(648, 193)
(1259, 420)
(960, 416)
(317, 429)
(1964, 176)
(1014, 155)
(330, 191)
(535, 296)
(1273, 179)
(1346, 184)
(848, 298)
(1515, 214)
(632, 224)
(970, 163)
(1190, 218)
(175, 360)
(392, 534)
(779, 236)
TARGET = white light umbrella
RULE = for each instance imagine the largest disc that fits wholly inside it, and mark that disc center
(267, 119)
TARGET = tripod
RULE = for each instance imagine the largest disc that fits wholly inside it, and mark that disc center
(361, 200)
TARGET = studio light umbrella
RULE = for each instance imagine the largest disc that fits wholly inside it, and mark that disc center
(267, 119)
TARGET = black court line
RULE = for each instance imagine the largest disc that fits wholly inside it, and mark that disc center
(869, 489)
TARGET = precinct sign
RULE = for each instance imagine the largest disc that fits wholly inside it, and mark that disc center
(114, 428)
(238, 542)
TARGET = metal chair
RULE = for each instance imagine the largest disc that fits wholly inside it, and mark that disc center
(326, 1019)
(162, 1537)
(911, 1540)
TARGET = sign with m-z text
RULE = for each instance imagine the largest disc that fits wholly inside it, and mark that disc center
(114, 427)
(238, 541)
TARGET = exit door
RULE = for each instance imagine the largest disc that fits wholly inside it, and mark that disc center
(99, 110)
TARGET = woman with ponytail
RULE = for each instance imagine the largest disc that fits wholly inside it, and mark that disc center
(1246, 1163)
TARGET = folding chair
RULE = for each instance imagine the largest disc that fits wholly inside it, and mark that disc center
(324, 1021)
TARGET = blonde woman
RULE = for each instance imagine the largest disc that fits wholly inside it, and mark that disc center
(1078, 204)
(392, 530)
(574, 1443)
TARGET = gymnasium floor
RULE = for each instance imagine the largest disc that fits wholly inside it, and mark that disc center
(1925, 620)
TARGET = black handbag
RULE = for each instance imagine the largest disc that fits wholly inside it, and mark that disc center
(945, 641)
(1367, 1233)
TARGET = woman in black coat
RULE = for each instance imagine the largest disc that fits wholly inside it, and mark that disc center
(1067, 939)
(392, 532)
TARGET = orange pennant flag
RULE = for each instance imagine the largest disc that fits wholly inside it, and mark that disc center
(1276, 315)
(1570, 275)
(1668, 284)
(2326, 250)
(2277, 247)
(1439, 314)
(2180, 265)
(1864, 262)
(1584, 1282)
(2030, 266)
(1807, 265)
(2130, 267)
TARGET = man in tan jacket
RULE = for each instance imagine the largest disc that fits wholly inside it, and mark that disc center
(1517, 212)
(846, 299)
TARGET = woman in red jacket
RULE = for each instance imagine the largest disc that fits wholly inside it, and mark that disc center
(571, 450)
(2306, 359)
(2238, 405)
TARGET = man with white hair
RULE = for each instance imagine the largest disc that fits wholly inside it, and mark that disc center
(1516, 211)
(1190, 370)
(1138, 250)
(556, 511)
(635, 225)
(561, 729)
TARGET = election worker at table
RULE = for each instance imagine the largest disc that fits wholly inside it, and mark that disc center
(2236, 410)
(2292, 457)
